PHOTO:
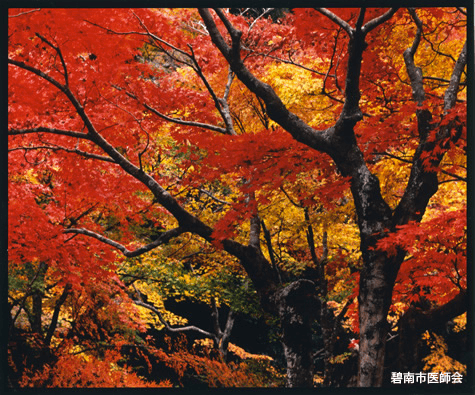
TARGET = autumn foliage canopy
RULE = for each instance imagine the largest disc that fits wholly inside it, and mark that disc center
(251, 164)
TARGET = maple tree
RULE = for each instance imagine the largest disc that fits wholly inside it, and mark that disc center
(315, 158)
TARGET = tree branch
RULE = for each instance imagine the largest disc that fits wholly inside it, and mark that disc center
(423, 183)
(275, 108)
(162, 239)
(85, 154)
(57, 308)
(63, 88)
(450, 96)
(185, 219)
(360, 19)
(226, 334)
(233, 32)
(421, 320)
(456, 176)
(415, 73)
(220, 103)
(197, 68)
(253, 261)
(167, 325)
(207, 193)
(378, 20)
(215, 317)
(178, 121)
(311, 239)
(336, 19)
(254, 239)
(23, 13)
(266, 11)
(270, 250)
(42, 129)
(58, 51)
(162, 195)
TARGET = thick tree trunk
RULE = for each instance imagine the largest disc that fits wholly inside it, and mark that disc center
(374, 300)
(297, 305)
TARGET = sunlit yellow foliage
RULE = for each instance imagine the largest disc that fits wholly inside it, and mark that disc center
(438, 360)
(318, 379)
(238, 351)
(156, 300)
(243, 354)
(339, 359)
(300, 91)
(396, 312)
(460, 323)
(393, 175)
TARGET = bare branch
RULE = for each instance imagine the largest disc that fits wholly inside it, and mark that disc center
(229, 324)
(224, 109)
(378, 20)
(270, 250)
(215, 317)
(58, 51)
(443, 80)
(233, 32)
(71, 97)
(360, 20)
(457, 177)
(255, 231)
(336, 19)
(167, 325)
(74, 151)
(57, 308)
(288, 61)
(227, 333)
(451, 92)
(228, 84)
(417, 38)
(162, 239)
(415, 73)
(290, 198)
(24, 13)
(42, 129)
(213, 197)
(178, 121)
(324, 91)
(266, 11)
(220, 104)
(215, 35)
(325, 247)
(158, 39)
(311, 239)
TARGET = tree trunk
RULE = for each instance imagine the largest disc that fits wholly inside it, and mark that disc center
(374, 300)
(37, 299)
(297, 305)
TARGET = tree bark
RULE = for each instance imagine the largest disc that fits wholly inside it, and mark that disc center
(37, 286)
(374, 300)
(297, 305)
